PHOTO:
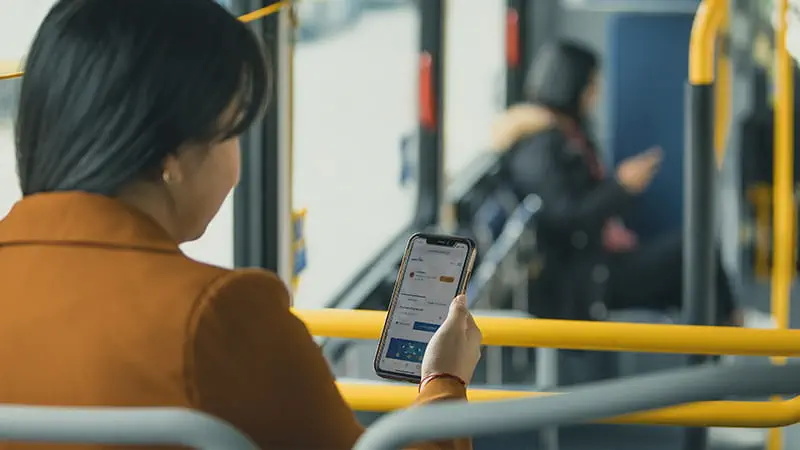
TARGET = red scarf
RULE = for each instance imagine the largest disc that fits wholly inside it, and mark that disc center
(616, 236)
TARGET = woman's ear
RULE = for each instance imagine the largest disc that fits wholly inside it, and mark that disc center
(172, 171)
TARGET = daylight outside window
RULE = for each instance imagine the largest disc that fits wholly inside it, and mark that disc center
(475, 71)
(355, 110)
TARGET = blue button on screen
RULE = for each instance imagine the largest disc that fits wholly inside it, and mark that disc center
(423, 326)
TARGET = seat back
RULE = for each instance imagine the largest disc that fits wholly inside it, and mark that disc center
(121, 426)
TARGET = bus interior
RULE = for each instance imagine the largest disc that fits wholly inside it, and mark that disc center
(381, 127)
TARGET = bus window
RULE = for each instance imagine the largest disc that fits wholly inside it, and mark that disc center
(355, 110)
(9, 185)
(474, 78)
(216, 245)
(18, 23)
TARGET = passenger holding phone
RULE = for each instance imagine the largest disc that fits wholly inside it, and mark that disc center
(592, 262)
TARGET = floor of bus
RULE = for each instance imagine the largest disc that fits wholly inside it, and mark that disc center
(627, 437)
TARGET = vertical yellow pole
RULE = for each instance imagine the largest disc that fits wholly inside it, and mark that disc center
(722, 91)
(783, 193)
(761, 198)
(300, 214)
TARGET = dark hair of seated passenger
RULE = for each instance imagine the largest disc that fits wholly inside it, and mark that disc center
(559, 75)
(112, 87)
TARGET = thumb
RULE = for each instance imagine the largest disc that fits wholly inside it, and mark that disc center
(458, 307)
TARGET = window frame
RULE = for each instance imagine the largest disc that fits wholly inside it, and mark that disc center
(516, 70)
(262, 201)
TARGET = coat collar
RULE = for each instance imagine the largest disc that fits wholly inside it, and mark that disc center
(82, 218)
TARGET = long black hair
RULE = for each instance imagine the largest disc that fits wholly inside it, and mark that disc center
(112, 87)
(559, 75)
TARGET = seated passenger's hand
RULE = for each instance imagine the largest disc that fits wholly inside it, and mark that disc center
(636, 172)
(456, 346)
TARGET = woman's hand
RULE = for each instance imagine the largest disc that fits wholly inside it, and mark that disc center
(636, 173)
(455, 348)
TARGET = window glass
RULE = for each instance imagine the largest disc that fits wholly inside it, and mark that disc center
(216, 245)
(9, 184)
(19, 20)
(474, 78)
(355, 110)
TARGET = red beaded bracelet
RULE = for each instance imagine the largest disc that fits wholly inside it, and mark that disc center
(434, 376)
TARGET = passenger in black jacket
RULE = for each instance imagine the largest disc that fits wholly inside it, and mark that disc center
(592, 262)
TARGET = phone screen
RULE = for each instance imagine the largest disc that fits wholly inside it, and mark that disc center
(428, 284)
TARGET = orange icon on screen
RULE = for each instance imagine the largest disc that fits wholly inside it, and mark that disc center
(446, 279)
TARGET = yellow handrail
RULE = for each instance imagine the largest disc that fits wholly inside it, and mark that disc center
(386, 397)
(701, 42)
(783, 191)
(249, 17)
(579, 335)
(10, 75)
(723, 91)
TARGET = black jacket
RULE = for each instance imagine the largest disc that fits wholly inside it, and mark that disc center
(539, 159)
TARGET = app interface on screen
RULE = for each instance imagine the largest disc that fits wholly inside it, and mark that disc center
(427, 287)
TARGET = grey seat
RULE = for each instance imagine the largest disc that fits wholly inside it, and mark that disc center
(123, 426)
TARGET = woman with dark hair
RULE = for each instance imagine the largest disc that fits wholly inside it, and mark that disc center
(127, 145)
(593, 263)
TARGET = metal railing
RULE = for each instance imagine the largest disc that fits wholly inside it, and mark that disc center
(385, 397)
(609, 401)
(580, 335)
(585, 336)
(589, 403)
(127, 426)
(503, 247)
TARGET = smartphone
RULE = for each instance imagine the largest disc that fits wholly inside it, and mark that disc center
(434, 270)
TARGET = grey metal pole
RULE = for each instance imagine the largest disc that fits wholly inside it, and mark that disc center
(699, 224)
(121, 426)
